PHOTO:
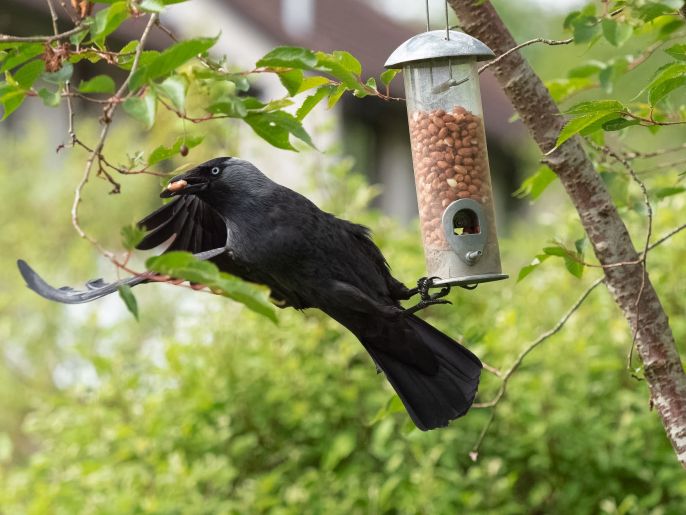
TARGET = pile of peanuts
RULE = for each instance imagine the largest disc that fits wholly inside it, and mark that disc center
(450, 163)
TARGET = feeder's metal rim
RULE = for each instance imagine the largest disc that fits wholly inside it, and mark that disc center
(469, 279)
(434, 45)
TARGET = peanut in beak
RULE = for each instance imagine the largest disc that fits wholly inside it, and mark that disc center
(177, 185)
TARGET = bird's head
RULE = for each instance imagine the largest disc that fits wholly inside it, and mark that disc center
(219, 180)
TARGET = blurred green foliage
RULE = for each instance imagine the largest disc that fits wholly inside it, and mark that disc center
(206, 407)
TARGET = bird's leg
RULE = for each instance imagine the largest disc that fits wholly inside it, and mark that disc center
(427, 299)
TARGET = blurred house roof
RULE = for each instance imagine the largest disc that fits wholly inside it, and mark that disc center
(328, 25)
(367, 34)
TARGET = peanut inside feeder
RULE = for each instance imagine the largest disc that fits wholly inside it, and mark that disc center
(449, 155)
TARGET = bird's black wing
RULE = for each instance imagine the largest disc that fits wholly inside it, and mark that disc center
(196, 227)
(193, 224)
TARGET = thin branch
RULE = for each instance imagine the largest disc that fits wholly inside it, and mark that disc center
(108, 111)
(53, 17)
(635, 154)
(518, 361)
(7, 38)
(646, 200)
(648, 122)
(502, 56)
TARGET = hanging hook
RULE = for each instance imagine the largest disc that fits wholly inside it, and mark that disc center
(447, 26)
(428, 26)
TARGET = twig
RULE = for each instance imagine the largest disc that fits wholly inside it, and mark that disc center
(518, 361)
(635, 154)
(53, 16)
(7, 38)
(502, 56)
(646, 200)
(493, 370)
(647, 122)
(108, 111)
(508, 374)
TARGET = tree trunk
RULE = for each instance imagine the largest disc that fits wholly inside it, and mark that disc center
(605, 229)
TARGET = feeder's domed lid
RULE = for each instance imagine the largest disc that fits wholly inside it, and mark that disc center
(434, 45)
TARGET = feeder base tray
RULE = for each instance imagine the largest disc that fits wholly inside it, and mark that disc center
(468, 280)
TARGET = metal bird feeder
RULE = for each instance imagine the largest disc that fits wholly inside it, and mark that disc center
(449, 155)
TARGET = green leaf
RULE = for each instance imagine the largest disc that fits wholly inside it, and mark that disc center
(289, 57)
(678, 51)
(587, 69)
(615, 32)
(332, 65)
(661, 193)
(98, 84)
(291, 80)
(277, 127)
(170, 59)
(595, 106)
(651, 10)
(50, 98)
(661, 90)
(580, 245)
(183, 265)
(348, 61)
(76, 39)
(21, 54)
(161, 153)
(583, 125)
(574, 267)
(584, 27)
(152, 6)
(276, 105)
(571, 259)
(11, 100)
(336, 95)
(313, 82)
(311, 101)
(535, 263)
(107, 20)
(142, 108)
(174, 88)
(131, 235)
(617, 124)
(229, 105)
(28, 74)
(60, 76)
(129, 299)
(667, 79)
(536, 184)
(387, 76)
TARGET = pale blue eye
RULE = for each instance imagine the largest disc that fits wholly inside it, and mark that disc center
(215, 170)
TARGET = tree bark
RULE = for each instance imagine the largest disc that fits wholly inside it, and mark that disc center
(605, 228)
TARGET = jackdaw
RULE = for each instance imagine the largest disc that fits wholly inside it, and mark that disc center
(229, 212)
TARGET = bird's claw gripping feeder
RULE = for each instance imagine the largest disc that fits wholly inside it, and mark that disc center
(449, 156)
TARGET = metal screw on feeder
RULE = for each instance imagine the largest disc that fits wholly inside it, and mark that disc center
(449, 155)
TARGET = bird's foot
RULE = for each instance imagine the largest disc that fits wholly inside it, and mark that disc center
(424, 284)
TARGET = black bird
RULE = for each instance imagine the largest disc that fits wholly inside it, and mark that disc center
(229, 212)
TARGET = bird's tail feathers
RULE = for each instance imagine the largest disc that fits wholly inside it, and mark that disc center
(432, 400)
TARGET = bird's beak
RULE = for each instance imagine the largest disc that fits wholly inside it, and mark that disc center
(185, 184)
